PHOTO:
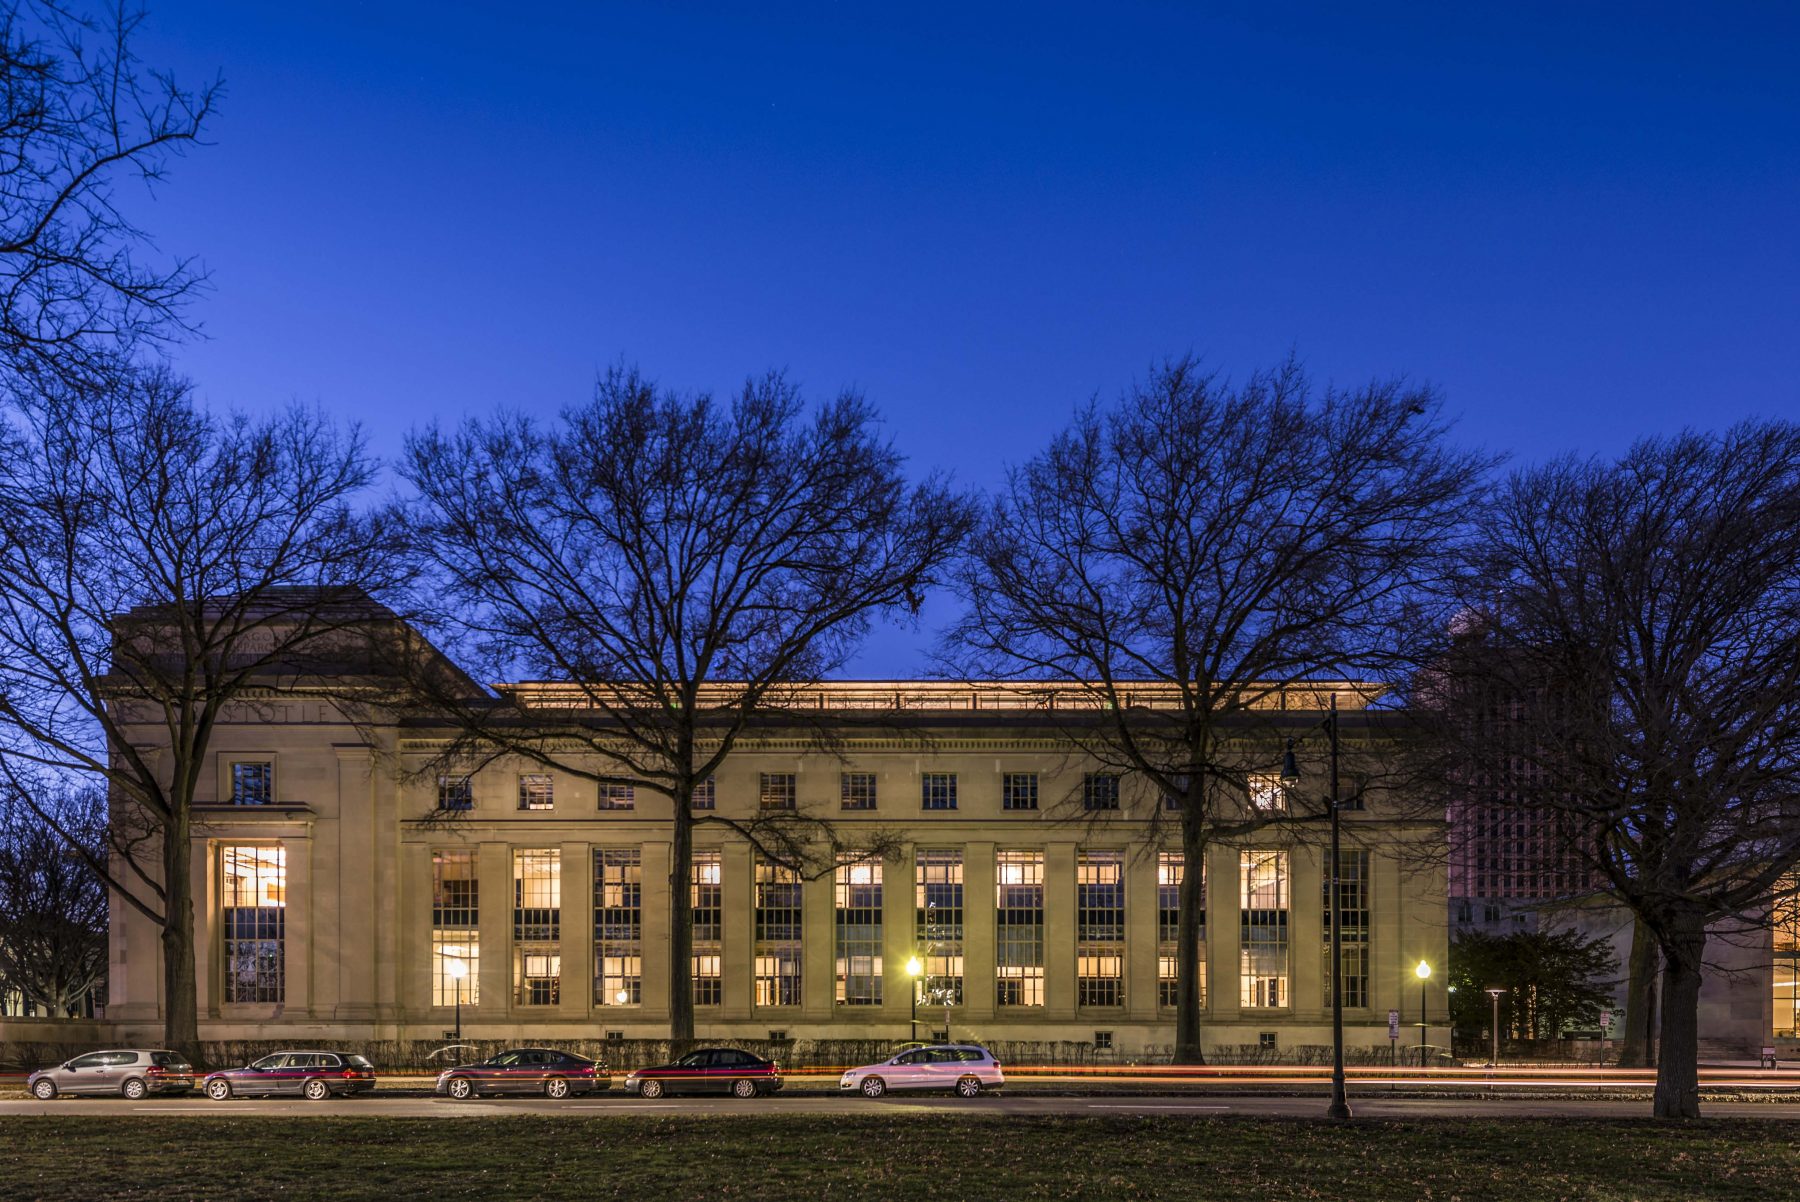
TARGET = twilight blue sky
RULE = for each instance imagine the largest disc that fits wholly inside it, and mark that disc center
(1581, 222)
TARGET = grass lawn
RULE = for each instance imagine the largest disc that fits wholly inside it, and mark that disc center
(806, 1158)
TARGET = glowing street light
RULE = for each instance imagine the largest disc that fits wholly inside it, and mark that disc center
(457, 968)
(1423, 972)
(913, 969)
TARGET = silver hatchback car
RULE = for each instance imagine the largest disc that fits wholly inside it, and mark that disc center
(962, 1067)
(130, 1073)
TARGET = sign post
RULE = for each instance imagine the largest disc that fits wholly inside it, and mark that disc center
(1394, 1038)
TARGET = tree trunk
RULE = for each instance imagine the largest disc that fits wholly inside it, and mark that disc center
(681, 923)
(1191, 915)
(1637, 1049)
(181, 1020)
(1678, 1067)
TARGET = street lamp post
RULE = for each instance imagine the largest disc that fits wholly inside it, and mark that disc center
(1423, 972)
(913, 969)
(1494, 991)
(1290, 774)
(458, 968)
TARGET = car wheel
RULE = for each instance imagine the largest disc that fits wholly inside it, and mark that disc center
(743, 1089)
(219, 1090)
(556, 1087)
(316, 1090)
(461, 1088)
(873, 1087)
(650, 1089)
(43, 1091)
(133, 1089)
(968, 1087)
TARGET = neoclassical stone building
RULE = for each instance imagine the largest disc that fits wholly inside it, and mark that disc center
(345, 892)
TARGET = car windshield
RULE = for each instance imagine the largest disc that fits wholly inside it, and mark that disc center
(269, 1062)
(504, 1059)
(693, 1059)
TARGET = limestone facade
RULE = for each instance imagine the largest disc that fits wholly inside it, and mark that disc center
(333, 899)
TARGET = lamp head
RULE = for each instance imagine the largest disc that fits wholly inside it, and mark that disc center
(913, 967)
(1290, 767)
(623, 996)
(1494, 991)
(1423, 971)
(456, 969)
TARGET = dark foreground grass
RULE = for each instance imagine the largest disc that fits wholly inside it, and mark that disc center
(803, 1158)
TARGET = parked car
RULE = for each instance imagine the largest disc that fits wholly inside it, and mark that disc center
(708, 1070)
(962, 1067)
(526, 1070)
(128, 1072)
(315, 1075)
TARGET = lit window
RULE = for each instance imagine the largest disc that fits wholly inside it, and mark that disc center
(938, 790)
(618, 795)
(1170, 872)
(1100, 928)
(778, 791)
(536, 791)
(938, 931)
(707, 874)
(455, 934)
(253, 893)
(618, 926)
(1263, 929)
(1266, 794)
(778, 918)
(857, 790)
(537, 927)
(253, 783)
(1019, 928)
(1019, 791)
(856, 888)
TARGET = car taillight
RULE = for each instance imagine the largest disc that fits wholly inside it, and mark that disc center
(352, 1072)
(155, 1070)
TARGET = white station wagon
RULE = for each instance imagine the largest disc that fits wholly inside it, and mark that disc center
(961, 1067)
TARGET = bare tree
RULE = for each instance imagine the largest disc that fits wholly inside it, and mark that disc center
(78, 114)
(1229, 545)
(157, 564)
(52, 904)
(1641, 619)
(673, 565)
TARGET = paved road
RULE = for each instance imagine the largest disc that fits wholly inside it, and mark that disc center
(1368, 1106)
